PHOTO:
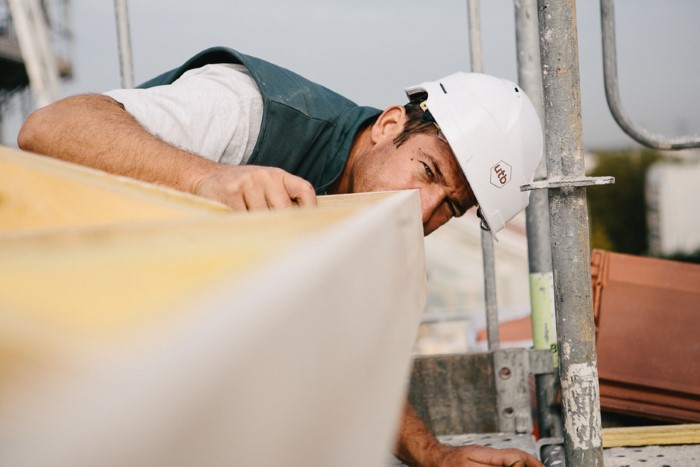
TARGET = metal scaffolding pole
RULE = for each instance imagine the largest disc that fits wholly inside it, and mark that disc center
(490, 301)
(121, 10)
(537, 213)
(34, 37)
(510, 398)
(476, 60)
(569, 232)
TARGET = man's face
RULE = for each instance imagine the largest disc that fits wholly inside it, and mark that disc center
(423, 162)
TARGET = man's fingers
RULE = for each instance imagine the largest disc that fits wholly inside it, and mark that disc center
(483, 455)
(299, 190)
(255, 199)
(252, 188)
(277, 188)
(237, 203)
(509, 457)
(277, 196)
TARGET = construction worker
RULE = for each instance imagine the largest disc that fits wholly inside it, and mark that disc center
(253, 135)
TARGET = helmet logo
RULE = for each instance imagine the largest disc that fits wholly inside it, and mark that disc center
(500, 174)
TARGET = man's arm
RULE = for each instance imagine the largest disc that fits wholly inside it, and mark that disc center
(418, 447)
(96, 131)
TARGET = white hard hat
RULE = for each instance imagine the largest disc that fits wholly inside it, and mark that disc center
(495, 133)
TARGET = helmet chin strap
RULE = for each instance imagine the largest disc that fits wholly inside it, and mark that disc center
(483, 224)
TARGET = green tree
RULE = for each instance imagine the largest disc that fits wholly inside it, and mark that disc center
(617, 212)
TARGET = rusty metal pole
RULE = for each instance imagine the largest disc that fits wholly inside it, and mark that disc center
(569, 231)
(544, 333)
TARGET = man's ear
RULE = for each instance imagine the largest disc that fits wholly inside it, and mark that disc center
(389, 124)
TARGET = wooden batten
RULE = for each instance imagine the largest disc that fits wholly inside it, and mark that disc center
(89, 235)
(651, 435)
(37, 192)
(129, 312)
(41, 193)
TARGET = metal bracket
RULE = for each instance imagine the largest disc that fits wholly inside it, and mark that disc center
(567, 182)
(511, 370)
(541, 361)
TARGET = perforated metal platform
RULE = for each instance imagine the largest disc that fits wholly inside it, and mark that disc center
(646, 456)
(653, 456)
(495, 440)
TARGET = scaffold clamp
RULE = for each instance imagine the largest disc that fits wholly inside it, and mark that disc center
(567, 182)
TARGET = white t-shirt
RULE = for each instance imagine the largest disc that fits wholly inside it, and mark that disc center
(214, 111)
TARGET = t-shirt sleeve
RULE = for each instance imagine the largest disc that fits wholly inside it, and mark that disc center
(214, 111)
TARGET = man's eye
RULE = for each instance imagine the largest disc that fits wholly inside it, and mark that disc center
(428, 170)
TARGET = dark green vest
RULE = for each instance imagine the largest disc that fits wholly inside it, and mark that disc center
(306, 128)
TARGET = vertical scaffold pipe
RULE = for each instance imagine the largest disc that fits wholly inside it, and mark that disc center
(124, 38)
(487, 250)
(544, 333)
(475, 56)
(569, 234)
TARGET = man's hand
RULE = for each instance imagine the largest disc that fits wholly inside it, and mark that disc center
(417, 446)
(479, 456)
(252, 187)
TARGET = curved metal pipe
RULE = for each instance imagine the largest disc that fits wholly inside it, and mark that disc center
(612, 91)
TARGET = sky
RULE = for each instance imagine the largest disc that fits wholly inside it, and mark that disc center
(370, 51)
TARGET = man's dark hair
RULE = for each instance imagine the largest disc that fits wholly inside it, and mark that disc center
(417, 120)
